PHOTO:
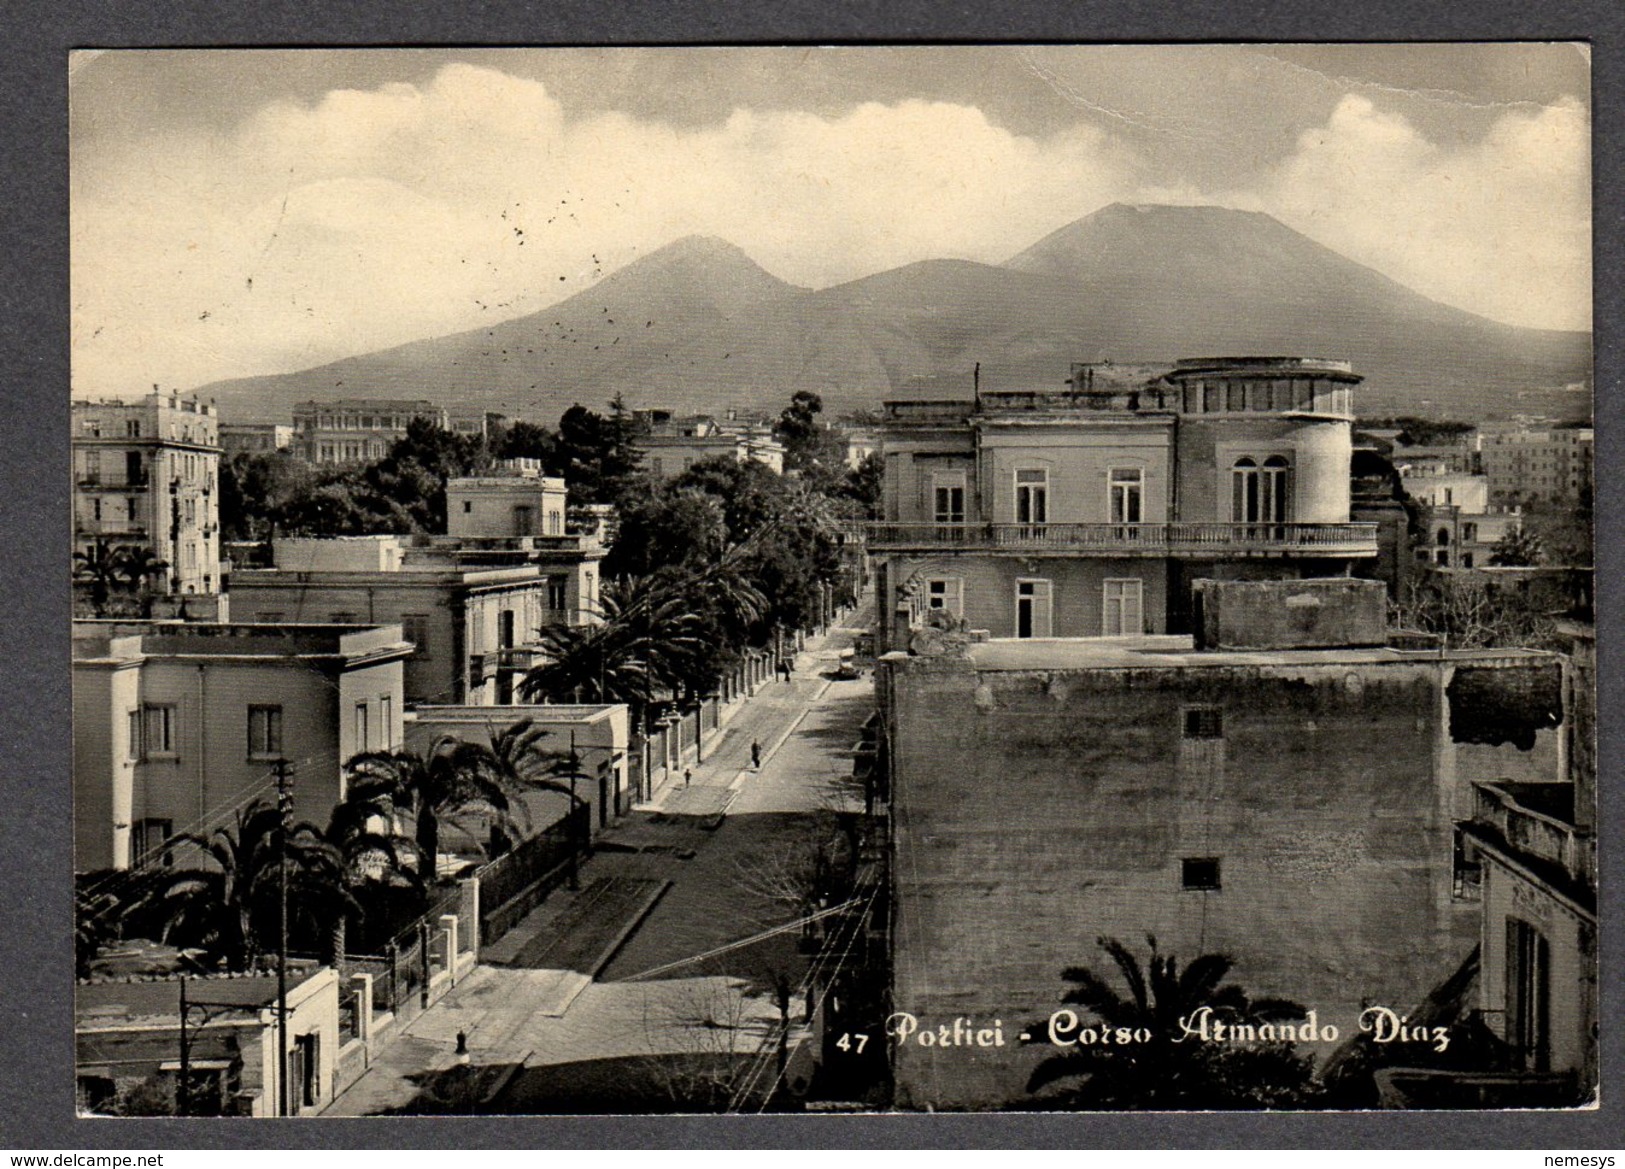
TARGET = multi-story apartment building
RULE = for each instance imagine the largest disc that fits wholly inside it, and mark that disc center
(673, 445)
(357, 430)
(470, 605)
(178, 726)
(1459, 526)
(146, 476)
(1526, 464)
(1086, 511)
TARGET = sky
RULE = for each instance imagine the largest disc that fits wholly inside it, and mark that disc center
(248, 212)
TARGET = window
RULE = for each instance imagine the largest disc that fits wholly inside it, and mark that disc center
(159, 733)
(264, 732)
(1469, 533)
(946, 594)
(505, 629)
(468, 506)
(1199, 872)
(150, 837)
(132, 428)
(386, 719)
(93, 467)
(415, 628)
(557, 594)
(1466, 559)
(360, 727)
(1259, 494)
(1124, 608)
(1204, 722)
(96, 508)
(948, 499)
(135, 473)
(132, 749)
(1127, 487)
(524, 520)
(1032, 497)
(132, 509)
(555, 523)
(1033, 608)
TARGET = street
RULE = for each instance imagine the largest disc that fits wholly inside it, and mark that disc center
(694, 910)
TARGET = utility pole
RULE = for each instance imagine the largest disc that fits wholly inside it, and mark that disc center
(575, 819)
(284, 804)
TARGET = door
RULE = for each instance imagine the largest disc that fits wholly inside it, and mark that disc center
(524, 521)
(1032, 497)
(1033, 608)
(1124, 609)
(1528, 990)
(948, 506)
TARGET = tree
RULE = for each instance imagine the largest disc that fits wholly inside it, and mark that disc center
(1472, 613)
(136, 566)
(453, 778)
(1518, 549)
(1163, 1069)
(798, 429)
(231, 910)
(527, 440)
(865, 483)
(98, 568)
(595, 454)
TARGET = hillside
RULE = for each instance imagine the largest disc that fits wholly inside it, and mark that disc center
(698, 325)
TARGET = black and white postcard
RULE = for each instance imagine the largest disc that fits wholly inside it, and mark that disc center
(833, 580)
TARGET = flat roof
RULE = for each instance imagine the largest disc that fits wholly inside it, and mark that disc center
(121, 1002)
(1170, 651)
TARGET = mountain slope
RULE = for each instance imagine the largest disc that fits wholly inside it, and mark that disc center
(698, 325)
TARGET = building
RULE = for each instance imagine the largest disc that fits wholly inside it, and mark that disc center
(358, 430)
(128, 1034)
(1459, 528)
(146, 475)
(177, 726)
(671, 445)
(470, 606)
(1529, 853)
(1224, 799)
(1087, 511)
(254, 438)
(515, 499)
(1529, 463)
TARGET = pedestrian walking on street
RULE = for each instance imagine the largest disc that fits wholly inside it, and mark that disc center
(756, 755)
(688, 774)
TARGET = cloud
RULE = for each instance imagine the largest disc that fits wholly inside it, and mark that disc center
(377, 217)
(374, 217)
(1501, 226)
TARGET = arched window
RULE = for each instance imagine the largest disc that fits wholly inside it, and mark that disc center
(1444, 537)
(1260, 494)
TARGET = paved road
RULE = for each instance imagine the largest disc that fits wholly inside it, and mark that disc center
(581, 1046)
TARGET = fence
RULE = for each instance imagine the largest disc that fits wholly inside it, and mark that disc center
(398, 971)
(516, 882)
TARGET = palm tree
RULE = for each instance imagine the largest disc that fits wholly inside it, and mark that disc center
(384, 870)
(1166, 1068)
(228, 910)
(136, 565)
(98, 567)
(454, 777)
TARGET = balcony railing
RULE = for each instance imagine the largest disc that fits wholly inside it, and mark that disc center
(1175, 539)
(1535, 833)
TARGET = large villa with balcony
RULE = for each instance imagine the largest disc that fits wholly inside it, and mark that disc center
(1087, 510)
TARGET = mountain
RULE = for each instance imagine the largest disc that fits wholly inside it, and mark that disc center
(698, 325)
